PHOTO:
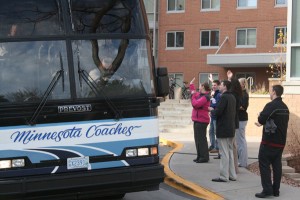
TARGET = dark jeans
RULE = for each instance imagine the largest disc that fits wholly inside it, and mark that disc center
(201, 140)
(267, 157)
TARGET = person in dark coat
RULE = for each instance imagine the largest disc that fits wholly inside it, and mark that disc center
(225, 115)
(274, 118)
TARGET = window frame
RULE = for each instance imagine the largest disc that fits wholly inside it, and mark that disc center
(178, 78)
(280, 4)
(246, 45)
(209, 46)
(214, 74)
(176, 10)
(245, 7)
(174, 47)
(148, 11)
(284, 28)
(210, 9)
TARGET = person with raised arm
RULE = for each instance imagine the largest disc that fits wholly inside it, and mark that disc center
(200, 102)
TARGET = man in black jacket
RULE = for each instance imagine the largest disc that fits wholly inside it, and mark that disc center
(274, 117)
(225, 115)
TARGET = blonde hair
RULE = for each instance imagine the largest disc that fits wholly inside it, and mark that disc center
(244, 82)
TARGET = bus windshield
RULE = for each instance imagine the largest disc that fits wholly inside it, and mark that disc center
(109, 46)
(111, 71)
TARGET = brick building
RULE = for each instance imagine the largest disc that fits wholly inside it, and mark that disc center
(198, 37)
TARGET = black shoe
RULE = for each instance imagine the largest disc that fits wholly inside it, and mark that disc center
(276, 194)
(201, 161)
(218, 180)
(195, 160)
(217, 157)
(232, 179)
(262, 195)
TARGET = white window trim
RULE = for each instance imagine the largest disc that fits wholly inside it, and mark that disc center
(175, 11)
(209, 9)
(245, 7)
(245, 46)
(280, 27)
(174, 48)
(209, 47)
(203, 73)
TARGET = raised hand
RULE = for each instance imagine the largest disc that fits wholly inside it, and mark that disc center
(192, 81)
(210, 78)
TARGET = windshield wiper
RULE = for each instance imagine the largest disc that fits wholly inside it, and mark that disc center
(98, 92)
(59, 74)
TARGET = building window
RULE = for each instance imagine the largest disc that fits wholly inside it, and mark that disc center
(280, 2)
(246, 37)
(176, 78)
(175, 40)
(247, 3)
(250, 77)
(210, 4)
(176, 5)
(277, 35)
(209, 38)
(203, 77)
(149, 5)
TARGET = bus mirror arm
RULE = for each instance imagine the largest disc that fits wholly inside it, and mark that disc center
(93, 85)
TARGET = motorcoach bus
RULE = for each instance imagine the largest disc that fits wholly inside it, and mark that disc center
(78, 100)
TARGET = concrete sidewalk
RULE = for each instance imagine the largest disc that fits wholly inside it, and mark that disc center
(197, 176)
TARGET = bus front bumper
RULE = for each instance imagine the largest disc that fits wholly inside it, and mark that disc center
(83, 184)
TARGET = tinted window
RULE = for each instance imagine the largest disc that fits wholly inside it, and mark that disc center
(117, 70)
(106, 16)
(27, 69)
(30, 17)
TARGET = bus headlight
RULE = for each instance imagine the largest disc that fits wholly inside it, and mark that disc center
(143, 151)
(4, 164)
(18, 163)
(13, 163)
(131, 153)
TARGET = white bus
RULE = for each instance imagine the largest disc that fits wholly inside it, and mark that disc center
(78, 100)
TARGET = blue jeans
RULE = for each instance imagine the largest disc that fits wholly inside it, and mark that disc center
(241, 143)
(212, 134)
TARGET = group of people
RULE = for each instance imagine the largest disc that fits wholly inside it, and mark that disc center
(225, 109)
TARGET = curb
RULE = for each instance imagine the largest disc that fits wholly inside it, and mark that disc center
(180, 183)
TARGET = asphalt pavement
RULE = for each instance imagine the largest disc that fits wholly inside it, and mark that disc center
(195, 178)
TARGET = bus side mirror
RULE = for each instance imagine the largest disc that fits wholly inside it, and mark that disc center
(162, 81)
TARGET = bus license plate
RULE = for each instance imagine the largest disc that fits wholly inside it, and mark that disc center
(78, 162)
